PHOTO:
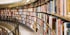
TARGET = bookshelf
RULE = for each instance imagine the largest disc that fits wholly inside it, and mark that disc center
(46, 18)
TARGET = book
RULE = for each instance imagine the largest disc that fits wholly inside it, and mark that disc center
(51, 7)
(30, 9)
(39, 9)
(59, 23)
(67, 4)
(62, 8)
(34, 9)
(43, 9)
(66, 28)
(58, 7)
(52, 25)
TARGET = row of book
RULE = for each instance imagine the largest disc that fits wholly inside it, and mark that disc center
(25, 17)
(43, 24)
(59, 7)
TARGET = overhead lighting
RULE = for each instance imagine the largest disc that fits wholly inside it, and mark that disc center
(9, 1)
(27, 0)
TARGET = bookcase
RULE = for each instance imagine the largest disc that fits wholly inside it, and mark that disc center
(54, 22)
(48, 18)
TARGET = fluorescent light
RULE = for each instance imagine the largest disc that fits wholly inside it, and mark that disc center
(9, 1)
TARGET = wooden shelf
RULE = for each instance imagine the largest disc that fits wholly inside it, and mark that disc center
(58, 16)
(61, 17)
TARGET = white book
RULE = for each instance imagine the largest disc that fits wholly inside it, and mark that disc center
(51, 7)
(50, 25)
(20, 11)
(39, 9)
(65, 28)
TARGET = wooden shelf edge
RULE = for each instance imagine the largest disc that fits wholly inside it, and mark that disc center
(58, 16)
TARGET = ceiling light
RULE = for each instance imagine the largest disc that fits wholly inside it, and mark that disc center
(27, 0)
(9, 1)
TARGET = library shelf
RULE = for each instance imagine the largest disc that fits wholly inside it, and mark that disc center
(58, 16)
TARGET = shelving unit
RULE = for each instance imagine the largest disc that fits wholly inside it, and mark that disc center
(46, 17)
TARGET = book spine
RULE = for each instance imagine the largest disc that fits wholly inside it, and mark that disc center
(52, 6)
(50, 24)
(64, 8)
(47, 7)
(58, 27)
(61, 8)
(65, 28)
(58, 6)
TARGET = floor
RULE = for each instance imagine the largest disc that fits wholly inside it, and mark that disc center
(25, 31)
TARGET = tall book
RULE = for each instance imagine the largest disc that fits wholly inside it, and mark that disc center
(62, 8)
(59, 23)
(67, 4)
(51, 6)
(58, 7)
(44, 24)
(53, 26)
(47, 6)
(50, 25)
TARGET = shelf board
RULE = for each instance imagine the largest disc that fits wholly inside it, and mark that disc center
(58, 16)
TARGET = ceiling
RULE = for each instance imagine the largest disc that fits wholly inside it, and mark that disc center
(14, 3)
(9, 1)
